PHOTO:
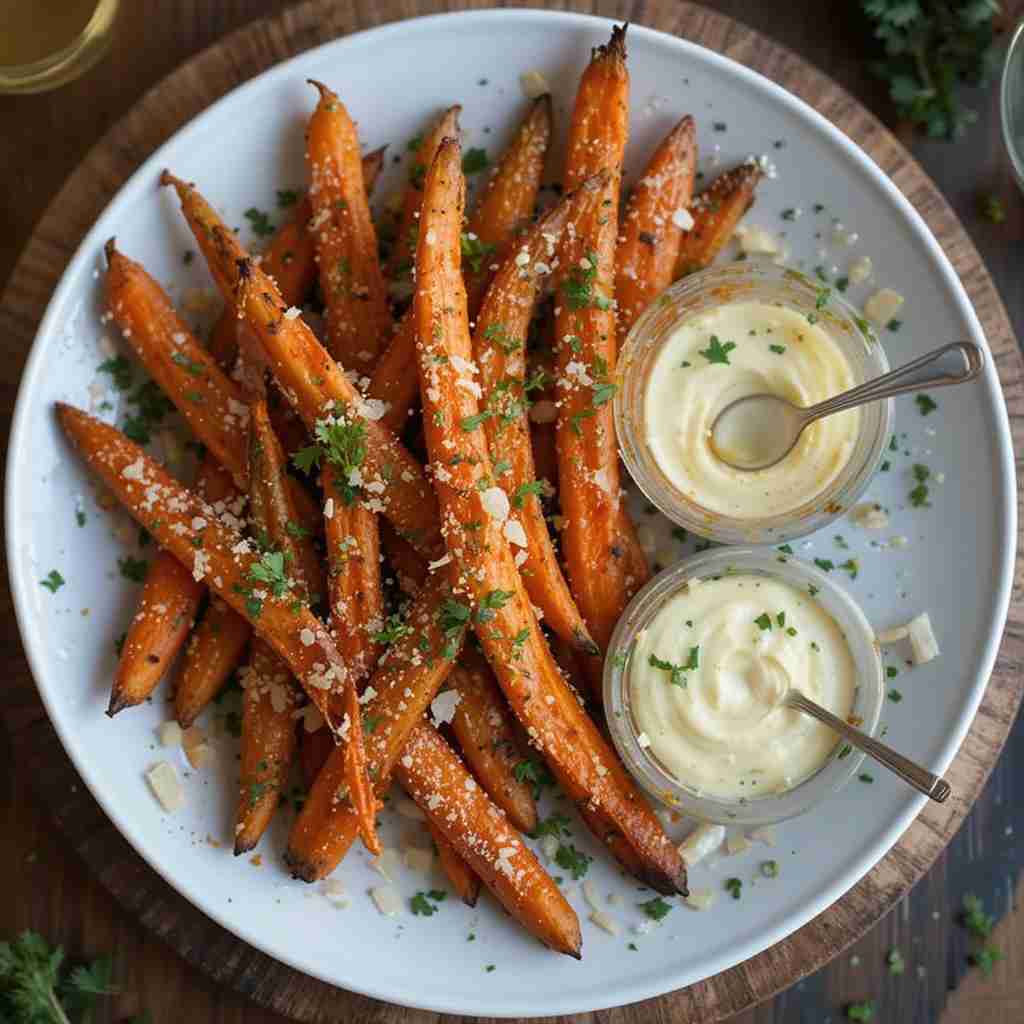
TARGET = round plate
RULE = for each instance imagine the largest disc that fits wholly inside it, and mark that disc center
(956, 562)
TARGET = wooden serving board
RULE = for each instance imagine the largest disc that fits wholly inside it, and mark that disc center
(226, 959)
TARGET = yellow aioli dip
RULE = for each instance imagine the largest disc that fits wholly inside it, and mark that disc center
(740, 349)
(740, 642)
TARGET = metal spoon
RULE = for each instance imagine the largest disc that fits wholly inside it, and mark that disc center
(922, 780)
(757, 431)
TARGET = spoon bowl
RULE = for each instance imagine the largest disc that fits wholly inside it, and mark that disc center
(757, 431)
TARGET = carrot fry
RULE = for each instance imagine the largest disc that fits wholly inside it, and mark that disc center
(410, 674)
(290, 260)
(482, 725)
(392, 380)
(437, 780)
(476, 519)
(716, 211)
(499, 345)
(272, 508)
(597, 533)
(462, 877)
(208, 399)
(649, 237)
(311, 380)
(255, 585)
(358, 320)
(316, 747)
(268, 742)
(213, 652)
(507, 203)
(357, 777)
(170, 598)
(222, 635)
(404, 250)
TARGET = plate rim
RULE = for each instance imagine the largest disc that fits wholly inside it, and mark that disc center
(854, 156)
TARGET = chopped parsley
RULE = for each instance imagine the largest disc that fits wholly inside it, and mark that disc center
(974, 918)
(925, 404)
(655, 909)
(894, 325)
(192, 367)
(498, 333)
(152, 405)
(825, 564)
(852, 567)
(260, 222)
(470, 423)
(452, 619)
(866, 777)
(80, 516)
(770, 868)
(287, 197)
(985, 959)
(523, 491)
(734, 886)
(842, 283)
(716, 352)
(475, 161)
(120, 371)
(821, 297)
(53, 582)
(474, 251)
(892, 672)
(576, 862)
(579, 285)
(763, 621)
(777, 349)
(677, 673)
(556, 825)
(991, 208)
(296, 530)
(494, 600)
(919, 494)
(861, 1011)
(394, 629)
(894, 959)
(133, 569)
(786, 549)
(535, 773)
(342, 442)
(420, 903)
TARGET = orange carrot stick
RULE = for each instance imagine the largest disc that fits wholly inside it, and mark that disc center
(650, 234)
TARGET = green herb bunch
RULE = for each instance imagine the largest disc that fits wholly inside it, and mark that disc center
(930, 49)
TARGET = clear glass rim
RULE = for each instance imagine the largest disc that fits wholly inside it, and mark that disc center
(61, 66)
(848, 329)
(1005, 100)
(835, 773)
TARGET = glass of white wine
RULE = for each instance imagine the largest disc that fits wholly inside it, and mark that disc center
(45, 43)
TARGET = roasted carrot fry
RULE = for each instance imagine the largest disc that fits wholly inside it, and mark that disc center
(597, 534)
(357, 778)
(358, 321)
(272, 509)
(393, 381)
(214, 651)
(499, 345)
(464, 881)
(208, 399)
(475, 514)
(310, 379)
(481, 723)
(268, 742)
(411, 673)
(257, 586)
(290, 260)
(506, 204)
(437, 780)
(404, 250)
(716, 211)
(316, 747)
(222, 635)
(650, 234)
(170, 598)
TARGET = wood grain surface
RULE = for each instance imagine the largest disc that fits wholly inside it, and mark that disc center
(36, 751)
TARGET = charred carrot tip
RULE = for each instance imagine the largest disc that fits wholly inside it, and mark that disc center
(118, 702)
(166, 178)
(110, 248)
(326, 93)
(300, 870)
(243, 846)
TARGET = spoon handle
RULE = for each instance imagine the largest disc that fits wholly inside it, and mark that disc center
(923, 781)
(952, 364)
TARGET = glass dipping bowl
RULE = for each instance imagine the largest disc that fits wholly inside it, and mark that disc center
(750, 281)
(1011, 103)
(844, 761)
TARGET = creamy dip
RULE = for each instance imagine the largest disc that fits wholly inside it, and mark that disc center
(705, 678)
(735, 350)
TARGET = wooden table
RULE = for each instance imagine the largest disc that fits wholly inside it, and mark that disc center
(46, 136)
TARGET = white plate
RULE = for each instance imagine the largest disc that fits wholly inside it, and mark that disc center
(957, 563)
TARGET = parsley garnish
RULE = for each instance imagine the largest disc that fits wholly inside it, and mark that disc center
(453, 618)
(866, 777)
(133, 569)
(991, 208)
(182, 360)
(120, 371)
(677, 673)
(852, 567)
(763, 621)
(861, 1011)
(777, 349)
(655, 909)
(296, 530)
(523, 491)
(421, 905)
(259, 222)
(576, 862)
(533, 772)
(342, 442)
(897, 965)
(470, 423)
(287, 197)
(919, 495)
(556, 825)
(498, 333)
(770, 868)
(53, 582)
(474, 161)
(974, 918)
(986, 958)
(925, 404)
(825, 564)
(579, 285)
(394, 629)
(734, 886)
(716, 352)
(495, 599)
(474, 251)
(152, 405)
